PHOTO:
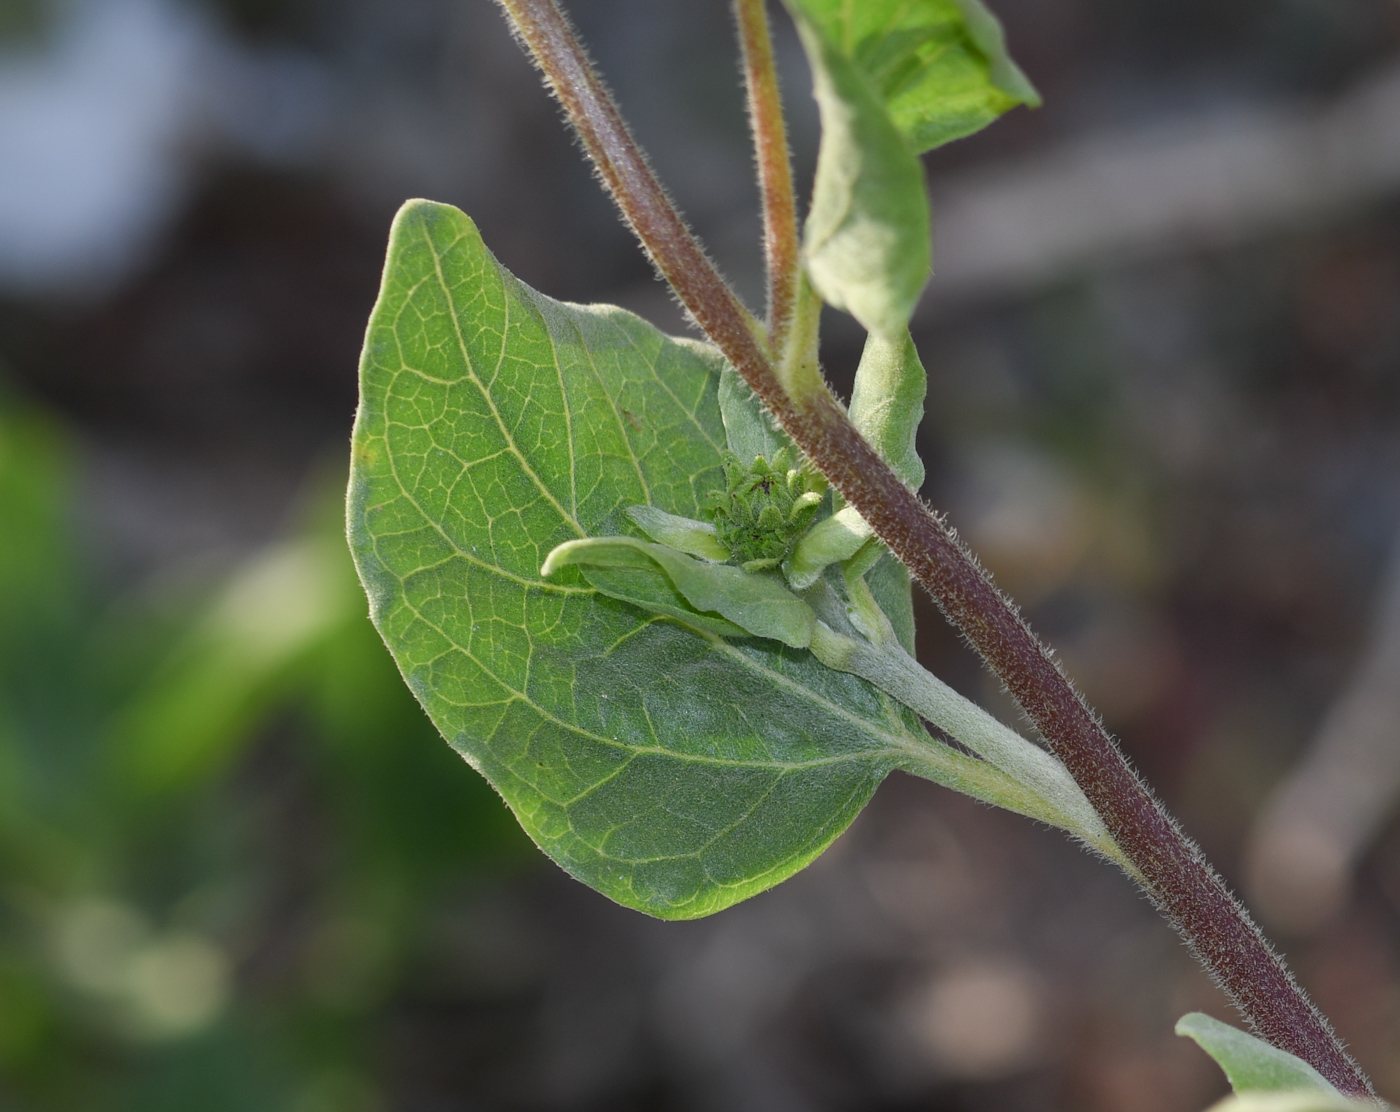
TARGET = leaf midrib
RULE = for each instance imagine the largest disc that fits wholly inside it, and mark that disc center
(469, 364)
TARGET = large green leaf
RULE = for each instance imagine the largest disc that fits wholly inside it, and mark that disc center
(672, 769)
(891, 78)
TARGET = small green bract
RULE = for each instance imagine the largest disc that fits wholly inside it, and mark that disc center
(764, 508)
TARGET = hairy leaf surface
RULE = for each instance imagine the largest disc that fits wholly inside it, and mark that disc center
(671, 769)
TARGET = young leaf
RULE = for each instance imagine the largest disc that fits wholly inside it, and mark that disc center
(939, 66)
(631, 576)
(672, 770)
(892, 78)
(749, 429)
(1251, 1064)
(887, 402)
(837, 538)
(695, 537)
(866, 243)
(760, 604)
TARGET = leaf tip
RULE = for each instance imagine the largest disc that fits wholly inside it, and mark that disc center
(559, 556)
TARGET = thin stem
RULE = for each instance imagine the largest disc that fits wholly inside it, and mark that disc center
(780, 240)
(1173, 871)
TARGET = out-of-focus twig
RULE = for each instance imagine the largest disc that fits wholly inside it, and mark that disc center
(1209, 181)
(1322, 818)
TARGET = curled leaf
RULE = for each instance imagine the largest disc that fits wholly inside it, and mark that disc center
(892, 78)
(837, 538)
(984, 29)
(940, 67)
(686, 534)
(759, 604)
(866, 243)
(887, 402)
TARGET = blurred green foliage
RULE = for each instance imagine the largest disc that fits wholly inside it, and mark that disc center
(22, 20)
(225, 826)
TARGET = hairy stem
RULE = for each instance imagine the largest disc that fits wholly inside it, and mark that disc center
(673, 249)
(769, 126)
(1172, 869)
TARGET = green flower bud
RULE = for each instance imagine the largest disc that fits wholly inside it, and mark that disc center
(764, 508)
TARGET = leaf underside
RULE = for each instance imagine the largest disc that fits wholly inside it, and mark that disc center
(673, 770)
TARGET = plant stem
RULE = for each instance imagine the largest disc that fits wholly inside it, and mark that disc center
(672, 247)
(1057, 799)
(769, 127)
(1173, 870)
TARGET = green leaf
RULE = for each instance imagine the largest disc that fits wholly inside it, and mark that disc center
(887, 403)
(892, 78)
(698, 538)
(672, 770)
(866, 242)
(748, 428)
(940, 67)
(758, 603)
(1251, 1064)
(836, 538)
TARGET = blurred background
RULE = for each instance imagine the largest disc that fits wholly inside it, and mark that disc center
(238, 869)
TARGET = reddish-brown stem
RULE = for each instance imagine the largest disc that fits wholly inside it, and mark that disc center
(769, 126)
(1178, 878)
(624, 169)
(1176, 875)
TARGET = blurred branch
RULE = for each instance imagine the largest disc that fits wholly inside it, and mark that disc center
(1192, 183)
(1323, 817)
